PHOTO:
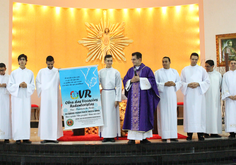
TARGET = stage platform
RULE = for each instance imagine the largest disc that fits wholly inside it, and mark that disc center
(210, 151)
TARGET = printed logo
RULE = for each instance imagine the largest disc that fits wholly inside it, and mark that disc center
(70, 122)
(74, 94)
(90, 76)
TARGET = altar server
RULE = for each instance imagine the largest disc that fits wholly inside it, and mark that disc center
(195, 83)
(50, 120)
(168, 83)
(213, 108)
(229, 95)
(21, 87)
(5, 113)
(110, 81)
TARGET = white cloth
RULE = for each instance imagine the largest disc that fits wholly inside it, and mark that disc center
(5, 113)
(110, 81)
(144, 84)
(229, 89)
(167, 107)
(194, 99)
(213, 108)
(50, 120)
(21, 102)
(128, 85)
(136, 135)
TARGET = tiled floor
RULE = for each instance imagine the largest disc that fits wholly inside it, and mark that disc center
(36, 140)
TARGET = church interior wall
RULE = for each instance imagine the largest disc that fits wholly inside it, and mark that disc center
(218, 18)
(4, 32)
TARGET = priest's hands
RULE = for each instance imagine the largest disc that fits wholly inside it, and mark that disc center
(23, 85)
(3, 85)
(193, 85)
(232, 97)
(135, 79)
(116, 103)
(169, 83)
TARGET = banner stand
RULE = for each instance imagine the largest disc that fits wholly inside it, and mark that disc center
(78, 132)
(81, 101)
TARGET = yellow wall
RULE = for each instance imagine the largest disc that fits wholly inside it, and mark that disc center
(39, 31)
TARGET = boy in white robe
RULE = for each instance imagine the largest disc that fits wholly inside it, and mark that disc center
(213, 108)
(110, 81)
(21, 87)
(5, 113)
(229, 95)
(195, 83)
(168, 83)
(50, 121)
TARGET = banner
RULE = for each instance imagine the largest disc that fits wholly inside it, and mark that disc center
(81, 97)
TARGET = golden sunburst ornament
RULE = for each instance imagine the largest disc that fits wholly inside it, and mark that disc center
(105, 39)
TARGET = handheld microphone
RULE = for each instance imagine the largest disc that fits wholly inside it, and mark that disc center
(135, 73)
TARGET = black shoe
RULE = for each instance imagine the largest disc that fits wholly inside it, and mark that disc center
(206, 135)
(164, 140)
(131, 142)
(44, 141)
(18, 142)
(145, 141)
(27, 141)
(232, 135)
(201, 138)
(49, 141)
(106, 140)
(190, 135)
(6, 141)
(215, 136)
(189, 138)
(173, 140)
(112, 140)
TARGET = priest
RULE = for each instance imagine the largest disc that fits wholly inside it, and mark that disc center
(229, 95)
(21, 87)
(213, 107)
(143, 97)
(195, 83)
(168, 83)
(5, 113)
(50, 120)
(110, 81)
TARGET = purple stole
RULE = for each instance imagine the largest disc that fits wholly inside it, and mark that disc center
(135, 103)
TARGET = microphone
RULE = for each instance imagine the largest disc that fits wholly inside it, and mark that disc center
(135, 73)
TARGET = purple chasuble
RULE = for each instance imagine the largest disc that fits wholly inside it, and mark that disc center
(141, 104)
